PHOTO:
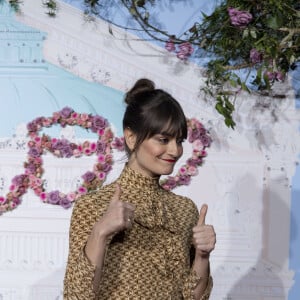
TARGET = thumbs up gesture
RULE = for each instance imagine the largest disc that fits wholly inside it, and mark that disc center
(118, 216)
(204, 236)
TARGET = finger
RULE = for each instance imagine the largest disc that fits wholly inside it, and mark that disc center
(117, 194)
(129, 206)
(202, 214)
(129, 222)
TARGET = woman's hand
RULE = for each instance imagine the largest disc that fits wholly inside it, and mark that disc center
(118, 216)
(204, 236)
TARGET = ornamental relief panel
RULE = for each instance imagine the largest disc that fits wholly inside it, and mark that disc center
(242, 168)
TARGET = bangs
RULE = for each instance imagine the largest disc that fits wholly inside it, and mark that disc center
(168, 121)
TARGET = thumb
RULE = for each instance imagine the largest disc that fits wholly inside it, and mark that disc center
(117, 194)
(202, 214)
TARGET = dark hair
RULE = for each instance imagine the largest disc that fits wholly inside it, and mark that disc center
(151, 111)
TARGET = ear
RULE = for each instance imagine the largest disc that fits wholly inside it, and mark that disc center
(130, 138)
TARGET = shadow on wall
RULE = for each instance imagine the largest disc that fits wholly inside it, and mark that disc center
(265, 279)
(50, 287)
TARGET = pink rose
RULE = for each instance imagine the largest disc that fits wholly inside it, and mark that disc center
(169, 46)
(197, 145)
(239, 18)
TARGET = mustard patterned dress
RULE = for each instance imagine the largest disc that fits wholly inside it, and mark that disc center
(151, 260)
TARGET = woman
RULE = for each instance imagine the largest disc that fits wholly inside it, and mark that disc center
(132, 239)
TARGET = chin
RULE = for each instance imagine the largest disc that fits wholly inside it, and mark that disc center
(167, 172)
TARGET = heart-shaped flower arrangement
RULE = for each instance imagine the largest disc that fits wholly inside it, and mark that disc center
(102, 149)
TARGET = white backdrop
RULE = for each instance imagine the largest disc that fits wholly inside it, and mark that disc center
(245, 179)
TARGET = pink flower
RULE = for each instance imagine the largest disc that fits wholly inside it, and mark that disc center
(13, 205)
(82, 190)
(255, 56)
(88, 176)
(71, 196)
(166, 187)
(76, 153)
(182, 170)
(101, 158)
(3, 208)
(169, 46)
(270, 75)
(87, 151)
(43, 196)
(184, 180)
(47, 122)
(185, 50)
(55, 116)
(197, 145)
(38, 191)
(239, 18)
(37, 139)
(279, 76)
(93, 147)
(2, 200)
(118, 143)
(101, 175)
(84, 117)
(101, 132)
(192, 170)
(13, 188)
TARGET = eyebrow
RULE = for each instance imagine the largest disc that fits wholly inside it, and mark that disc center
(165, 133)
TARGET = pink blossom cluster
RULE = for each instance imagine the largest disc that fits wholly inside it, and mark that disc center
(199, 138)
(239, 18)
(38, 145)
(17, 189)
(183, 50)
(274, 75)
(255, 56)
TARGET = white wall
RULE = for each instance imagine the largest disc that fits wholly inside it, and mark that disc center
(245, 179)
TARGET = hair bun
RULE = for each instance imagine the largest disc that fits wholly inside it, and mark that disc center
(141, 86)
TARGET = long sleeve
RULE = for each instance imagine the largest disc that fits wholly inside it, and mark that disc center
(191, 283)
(149, 261)
(79, 276)
(192, 280)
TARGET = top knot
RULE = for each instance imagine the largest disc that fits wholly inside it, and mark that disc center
(141, 86)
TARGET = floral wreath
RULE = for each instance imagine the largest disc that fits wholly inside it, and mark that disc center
(102, 149)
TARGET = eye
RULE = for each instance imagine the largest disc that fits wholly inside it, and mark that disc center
(163, 140)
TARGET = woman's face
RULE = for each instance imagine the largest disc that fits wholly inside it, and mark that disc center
(156, 155)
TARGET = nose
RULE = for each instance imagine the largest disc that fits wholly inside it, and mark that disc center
(174, 149)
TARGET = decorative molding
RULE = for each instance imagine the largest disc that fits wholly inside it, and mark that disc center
(245, 179)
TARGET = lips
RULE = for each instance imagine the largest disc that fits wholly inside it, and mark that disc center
(170, 160)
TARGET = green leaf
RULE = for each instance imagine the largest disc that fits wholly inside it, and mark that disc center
(244, 87)
(253, 33)
(220, 108)
(139, 3)
(229, 106)
(274, 22)
(233, 82)
(245, 33)
(230, 123)
(292, 59)
(132, 11)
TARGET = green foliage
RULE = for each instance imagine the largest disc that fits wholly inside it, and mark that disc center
(260, 37)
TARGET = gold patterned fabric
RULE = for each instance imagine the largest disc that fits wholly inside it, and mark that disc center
(151, 260)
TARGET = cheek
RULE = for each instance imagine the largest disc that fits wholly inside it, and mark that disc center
(152, 150)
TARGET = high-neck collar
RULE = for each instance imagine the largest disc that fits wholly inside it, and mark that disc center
(135, 179)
